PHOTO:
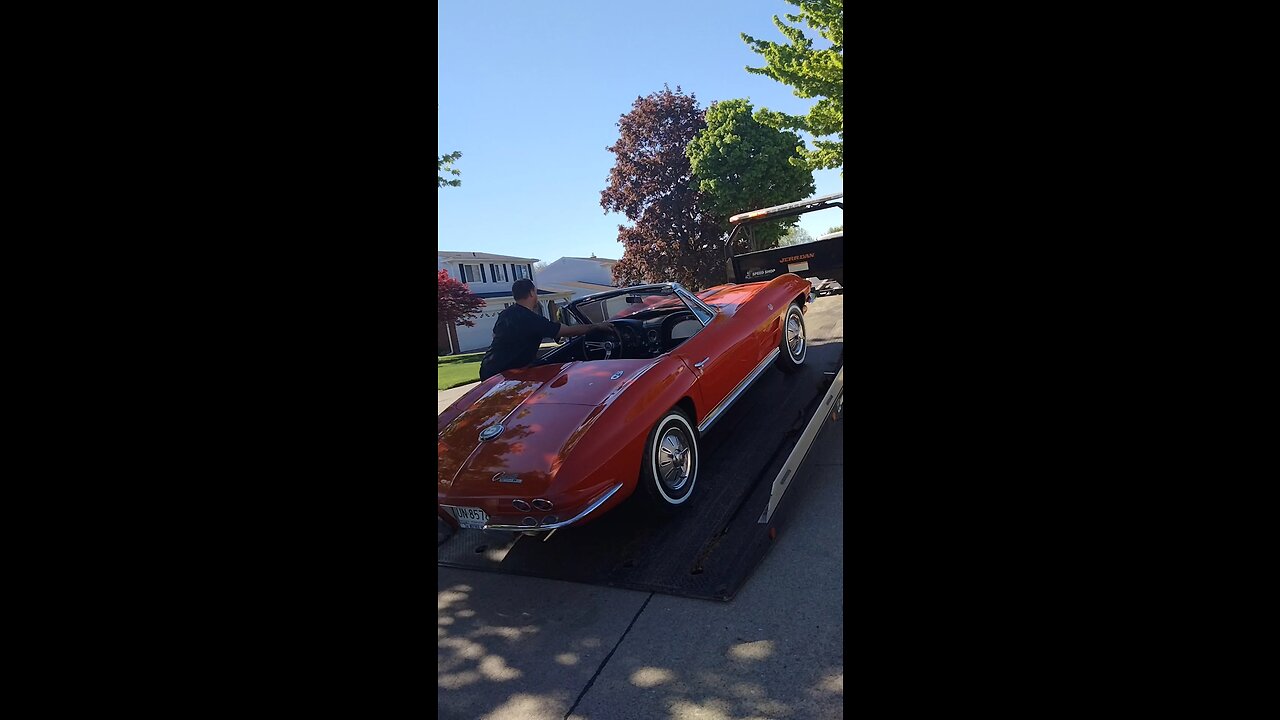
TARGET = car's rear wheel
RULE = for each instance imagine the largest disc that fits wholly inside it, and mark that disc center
(670, 467)
(794, 344)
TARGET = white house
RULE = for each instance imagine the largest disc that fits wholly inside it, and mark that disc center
(490, 277)
(577, 276)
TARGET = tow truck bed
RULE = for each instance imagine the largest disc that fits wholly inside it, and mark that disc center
(709, 550)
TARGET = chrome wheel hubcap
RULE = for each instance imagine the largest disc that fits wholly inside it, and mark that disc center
(675, 459)
(795, 335)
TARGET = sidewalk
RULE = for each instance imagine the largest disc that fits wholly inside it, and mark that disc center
(446, 397)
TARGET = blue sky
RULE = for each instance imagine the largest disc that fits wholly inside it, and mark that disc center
(531, 91)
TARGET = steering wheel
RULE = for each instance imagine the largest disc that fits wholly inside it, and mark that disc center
(606, 345)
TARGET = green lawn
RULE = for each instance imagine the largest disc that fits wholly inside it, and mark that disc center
(455, 370)
(468, 357)
(454, 374)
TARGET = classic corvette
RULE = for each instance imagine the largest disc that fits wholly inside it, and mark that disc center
(609, 415)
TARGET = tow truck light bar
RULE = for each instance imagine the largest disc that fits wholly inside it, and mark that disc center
(780, 210)
(744, 216)
(777, 211)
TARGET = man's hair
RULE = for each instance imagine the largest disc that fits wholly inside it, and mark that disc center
(522, 288)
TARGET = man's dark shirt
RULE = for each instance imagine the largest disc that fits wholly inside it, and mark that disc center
(516, 335)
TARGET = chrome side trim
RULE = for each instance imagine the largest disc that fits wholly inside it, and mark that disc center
(733, 396)
(555, 526)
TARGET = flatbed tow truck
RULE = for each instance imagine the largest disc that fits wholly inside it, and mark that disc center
(750, 459)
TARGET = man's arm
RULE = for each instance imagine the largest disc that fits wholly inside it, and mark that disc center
(575, 330)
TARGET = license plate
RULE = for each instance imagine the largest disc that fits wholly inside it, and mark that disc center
(470, 517)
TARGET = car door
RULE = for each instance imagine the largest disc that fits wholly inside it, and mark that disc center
(767, 329)
(720, 355)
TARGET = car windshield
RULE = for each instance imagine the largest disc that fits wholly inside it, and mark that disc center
(639, 304)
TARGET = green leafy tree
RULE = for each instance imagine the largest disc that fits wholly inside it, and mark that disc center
(811, 74)
(740, 165)
(838, 228)
(445, 165)
(795, 236)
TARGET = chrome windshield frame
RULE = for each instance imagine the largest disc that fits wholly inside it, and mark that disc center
(692, 302)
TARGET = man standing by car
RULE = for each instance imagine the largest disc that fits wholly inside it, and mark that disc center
(519, 330)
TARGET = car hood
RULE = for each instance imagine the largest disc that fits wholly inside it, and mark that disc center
(543, 412)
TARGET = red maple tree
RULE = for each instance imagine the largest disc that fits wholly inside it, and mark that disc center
(458, 305)
(652, 184)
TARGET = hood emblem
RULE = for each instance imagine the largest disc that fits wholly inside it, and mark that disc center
(490, 432)
(506, 478)
(616, 375)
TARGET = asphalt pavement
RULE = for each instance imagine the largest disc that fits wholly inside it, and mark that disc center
(526, 648)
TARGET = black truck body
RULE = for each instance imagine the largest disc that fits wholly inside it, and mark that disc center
(822, 258)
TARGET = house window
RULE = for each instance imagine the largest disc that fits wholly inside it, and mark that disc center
(470, 273)
(499, 273)
(521, 271)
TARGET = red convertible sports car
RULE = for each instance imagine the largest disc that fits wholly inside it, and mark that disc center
(608, 415)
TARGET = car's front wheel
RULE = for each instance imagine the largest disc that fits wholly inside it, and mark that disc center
(794, 344)
(670, 467)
